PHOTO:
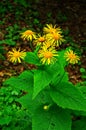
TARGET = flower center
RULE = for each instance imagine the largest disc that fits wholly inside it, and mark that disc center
(28, 32)
(56, 36)
(72, 56)
(17, 54)
(48, 54)
(41, 39)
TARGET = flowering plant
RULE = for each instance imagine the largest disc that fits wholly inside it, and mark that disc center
(48, 94)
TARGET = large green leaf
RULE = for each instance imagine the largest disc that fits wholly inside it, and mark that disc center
(42, 98)
(27, 102)
(82, 87)
(62, 77)
(67, 96)
(43, 76)
(32, 58)
(41, 79)
(22, 82)
(61, 58)
(53, 119)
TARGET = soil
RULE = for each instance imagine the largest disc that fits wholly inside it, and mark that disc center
(75, 12)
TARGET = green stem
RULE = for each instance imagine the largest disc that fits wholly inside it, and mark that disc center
(25, 66)
(31, 46)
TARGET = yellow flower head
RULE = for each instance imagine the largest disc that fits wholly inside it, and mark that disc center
(16, 55)
(28, 35)
(51, 29)
(48, 44)
(71, 57)
(55, 38)
(39, 40)
(47, 55)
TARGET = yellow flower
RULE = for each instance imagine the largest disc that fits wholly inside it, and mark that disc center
(48, 44)
(28, 35)
(51, 29)
(71, 57)
(47, 55)
(55, 38)
(39, 40)
(16, 55)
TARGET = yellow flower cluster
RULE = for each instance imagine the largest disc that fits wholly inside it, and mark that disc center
(51, 34)
(52, 37)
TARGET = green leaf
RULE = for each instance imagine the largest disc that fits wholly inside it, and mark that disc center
(22, 2)
(65, 77)
(61, 58)
(2, 57)
(2, 50)
(5, 120)
(62, 77)
(1, 42)
(41, 79)
(82, 70)
(67, 96)
(79, 124)
(32, 58)
(22, 82)
(10, 42)
(43, 76)
(27, 102)
(53, 119)
(78, 113)
(42, 98)
(83, 89)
